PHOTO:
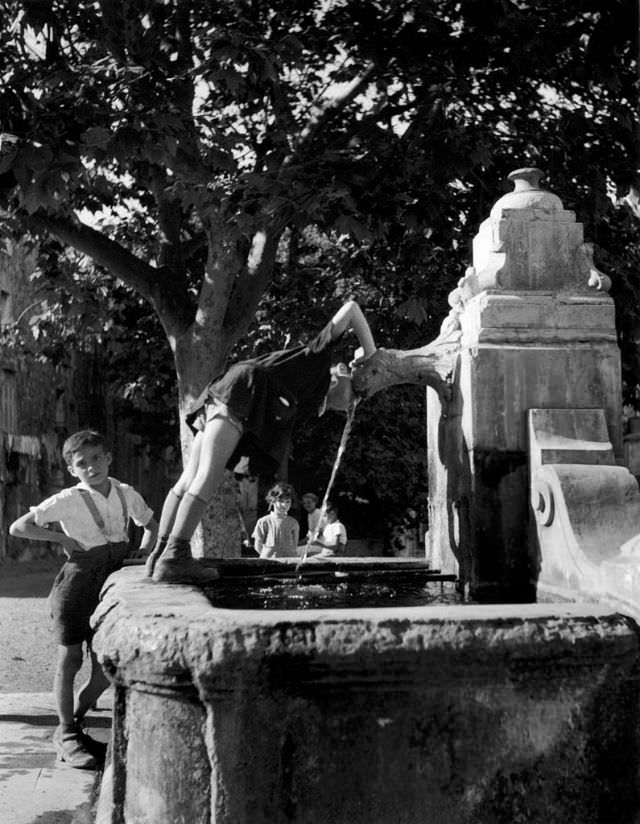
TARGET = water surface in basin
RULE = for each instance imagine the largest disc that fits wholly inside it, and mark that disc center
(334, 593)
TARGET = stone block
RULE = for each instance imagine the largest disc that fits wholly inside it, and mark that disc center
(500, 383)
(520, 318)
(569, 436)
(528, 250)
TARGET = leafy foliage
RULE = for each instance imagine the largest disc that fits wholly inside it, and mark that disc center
(242, 167)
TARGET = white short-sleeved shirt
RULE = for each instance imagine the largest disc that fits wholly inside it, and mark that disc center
(334, 534)
(71, 511)
(282, 533)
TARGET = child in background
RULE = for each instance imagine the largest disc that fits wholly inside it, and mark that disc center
(276, 534)
(333, 540)
(310, 505)
(94, 516)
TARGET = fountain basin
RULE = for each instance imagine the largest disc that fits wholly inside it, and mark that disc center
(467, 713)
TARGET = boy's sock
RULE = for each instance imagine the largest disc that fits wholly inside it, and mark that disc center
(155, 553)
(168, 514)
(192, 508)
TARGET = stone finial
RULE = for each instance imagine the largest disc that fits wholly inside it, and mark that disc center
(526, 194)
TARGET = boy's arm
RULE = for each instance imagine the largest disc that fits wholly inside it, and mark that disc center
(149, 535)
(258, 537)
(26, 527)
(350, 316)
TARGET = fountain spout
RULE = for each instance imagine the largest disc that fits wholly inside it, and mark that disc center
(431, 365)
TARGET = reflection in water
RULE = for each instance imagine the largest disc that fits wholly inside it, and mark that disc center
(331, 594)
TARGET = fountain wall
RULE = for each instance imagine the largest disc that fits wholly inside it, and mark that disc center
(460, 715)
(536, 329)
(513, 711)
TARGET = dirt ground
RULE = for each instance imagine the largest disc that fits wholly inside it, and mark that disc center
(27, 647)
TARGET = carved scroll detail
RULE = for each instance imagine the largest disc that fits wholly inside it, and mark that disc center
(595, 278)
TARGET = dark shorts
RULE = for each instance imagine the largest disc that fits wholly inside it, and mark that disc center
(76, 591)
(259, 405)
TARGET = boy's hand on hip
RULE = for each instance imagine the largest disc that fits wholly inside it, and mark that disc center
(70, 545)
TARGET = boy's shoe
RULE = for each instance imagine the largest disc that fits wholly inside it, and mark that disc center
(95, 747)
(191, 571)
(75, 749)
(176, 565)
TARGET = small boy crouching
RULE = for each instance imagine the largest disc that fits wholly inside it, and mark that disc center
(94, 516)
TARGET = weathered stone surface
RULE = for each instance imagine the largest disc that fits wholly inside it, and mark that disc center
(587, 509)
(537, 330)
(457, 715)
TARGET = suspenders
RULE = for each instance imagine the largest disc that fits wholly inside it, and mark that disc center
(95, 513)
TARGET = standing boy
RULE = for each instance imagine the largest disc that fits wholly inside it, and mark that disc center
(94, 516)
(310, 505)
(276, 534)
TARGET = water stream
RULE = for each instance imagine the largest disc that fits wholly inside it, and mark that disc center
(351, 412)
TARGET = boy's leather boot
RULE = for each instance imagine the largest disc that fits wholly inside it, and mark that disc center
(176, 565)
(156, 552)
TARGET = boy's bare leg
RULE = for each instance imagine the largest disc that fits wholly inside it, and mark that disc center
(71, 746)
(90, 691)
(67, 667)
(172, 503)
(167, 517)
(175, 495)
(219, 438)
(217, 443)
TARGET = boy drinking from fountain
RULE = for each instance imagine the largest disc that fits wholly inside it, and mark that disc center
(94, 517)
(276, 534)
(251, 411)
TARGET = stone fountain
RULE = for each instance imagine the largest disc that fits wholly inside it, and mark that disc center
(520, 707)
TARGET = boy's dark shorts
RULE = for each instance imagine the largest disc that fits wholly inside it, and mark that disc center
(76, 590)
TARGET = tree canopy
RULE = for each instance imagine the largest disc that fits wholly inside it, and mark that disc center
(225, 159)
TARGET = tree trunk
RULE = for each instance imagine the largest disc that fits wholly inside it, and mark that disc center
(220, 534)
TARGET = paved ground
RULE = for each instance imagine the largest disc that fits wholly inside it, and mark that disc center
(34, 787)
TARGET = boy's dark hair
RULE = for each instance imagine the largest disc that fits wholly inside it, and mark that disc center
(279, 491)
(86, 437)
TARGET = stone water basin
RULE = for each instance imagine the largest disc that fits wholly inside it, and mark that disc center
(456, 714)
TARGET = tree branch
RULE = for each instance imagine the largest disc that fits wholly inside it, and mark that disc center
(167, 294)
(250, 286)
(322, 115)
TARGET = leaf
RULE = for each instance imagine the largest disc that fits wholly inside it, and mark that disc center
(96, 136)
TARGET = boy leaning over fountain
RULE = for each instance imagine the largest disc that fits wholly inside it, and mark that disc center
(94, 517)
(251, 411)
